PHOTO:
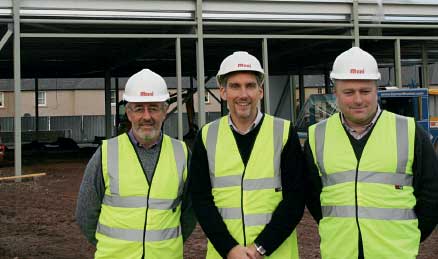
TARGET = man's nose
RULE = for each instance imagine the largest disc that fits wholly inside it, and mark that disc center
(243, 92)
(357, 98)
(146, 114)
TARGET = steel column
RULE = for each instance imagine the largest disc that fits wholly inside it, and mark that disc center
(356, 23)
(397, 64)
(108, 122)
(266, 95)
(116, 116)
(327, 88)
(36, 109)
(293, 98)
(200, 64)
(425, 69)
(301, 89)
(17, 89)
(179, 87)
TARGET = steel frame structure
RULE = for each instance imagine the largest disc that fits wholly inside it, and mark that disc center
(198, 20)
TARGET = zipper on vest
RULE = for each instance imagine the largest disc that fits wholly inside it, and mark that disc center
(241, 207)
(147, 199)
(357, 208)
(146, 222)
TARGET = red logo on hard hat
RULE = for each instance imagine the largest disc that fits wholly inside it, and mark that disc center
(357, 71)
(244, 65)
(146, 93)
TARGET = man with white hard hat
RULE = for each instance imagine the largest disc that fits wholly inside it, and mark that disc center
(373, 174)
(247, 172)
(132, 202)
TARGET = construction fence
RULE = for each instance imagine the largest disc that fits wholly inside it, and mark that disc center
(82, 129)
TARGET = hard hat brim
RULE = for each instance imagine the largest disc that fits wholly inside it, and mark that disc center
(335, 76)
(146, 99)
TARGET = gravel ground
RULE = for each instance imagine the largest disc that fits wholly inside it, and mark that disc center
(37, 218)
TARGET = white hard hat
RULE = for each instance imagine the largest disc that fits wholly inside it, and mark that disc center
(239, 61)
(146, 86)
(355, 63)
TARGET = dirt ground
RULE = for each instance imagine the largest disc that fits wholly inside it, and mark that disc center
(37, 218)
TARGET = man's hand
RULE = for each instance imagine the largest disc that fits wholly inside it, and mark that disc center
(238, 252)
(252, 252)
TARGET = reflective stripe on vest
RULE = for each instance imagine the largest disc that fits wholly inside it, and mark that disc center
(369, 213)
(137, 235)
(250, 219)
(140, 202)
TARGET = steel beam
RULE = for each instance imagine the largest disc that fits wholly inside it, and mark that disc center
(276, 36)
(231, 24)
(279, 24)
(103, 22)
(7, 35)
(399, 26)
(179, 87)
(266, 95)
(219, 36)
(107, 36)
(17, 90)
(418, 38)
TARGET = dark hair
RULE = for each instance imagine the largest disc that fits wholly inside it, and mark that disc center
(223, 79)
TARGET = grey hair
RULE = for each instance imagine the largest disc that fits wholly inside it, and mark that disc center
(164, 105)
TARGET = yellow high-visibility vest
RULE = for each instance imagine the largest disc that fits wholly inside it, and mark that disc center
(136, 216)
(373, 195)
(247, 196)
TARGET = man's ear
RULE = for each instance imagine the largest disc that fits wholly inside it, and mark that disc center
(261, 92)
(223, 93)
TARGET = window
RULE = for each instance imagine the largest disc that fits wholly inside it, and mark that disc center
(113, 97)
(207, 97)
(42, 98)
(2, 99)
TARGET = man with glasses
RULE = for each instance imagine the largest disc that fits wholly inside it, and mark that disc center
(132, 201)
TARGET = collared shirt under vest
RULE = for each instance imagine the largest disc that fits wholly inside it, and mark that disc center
(373, 195)
(139, 218)
(246, 196)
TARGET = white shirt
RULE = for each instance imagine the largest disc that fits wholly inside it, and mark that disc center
(253, 125)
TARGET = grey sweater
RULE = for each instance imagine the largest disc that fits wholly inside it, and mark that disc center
(92, 191)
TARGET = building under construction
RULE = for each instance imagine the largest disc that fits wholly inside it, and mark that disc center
(187, 39)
